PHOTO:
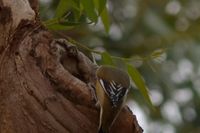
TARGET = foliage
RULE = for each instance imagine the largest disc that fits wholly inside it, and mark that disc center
(70, 13)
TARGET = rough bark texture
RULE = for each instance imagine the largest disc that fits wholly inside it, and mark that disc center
(44, 89)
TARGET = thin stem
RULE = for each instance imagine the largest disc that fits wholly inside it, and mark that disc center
(97, 52)
(78, 44)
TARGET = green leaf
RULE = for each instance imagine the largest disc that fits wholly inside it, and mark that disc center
(59, 24)
(102, 5)
(89, 8)
(76, 14)
(64, 6)
(139, 82)
(103, 13)
(107, 59)
(105, 20)
(68, 23)
(50, 21)
(59, 27)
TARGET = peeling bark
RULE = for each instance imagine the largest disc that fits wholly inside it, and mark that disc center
(40, 91)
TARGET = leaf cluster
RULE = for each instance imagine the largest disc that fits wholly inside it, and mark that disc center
(72, 13)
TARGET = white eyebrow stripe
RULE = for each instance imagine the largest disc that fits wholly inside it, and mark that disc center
(101, 82)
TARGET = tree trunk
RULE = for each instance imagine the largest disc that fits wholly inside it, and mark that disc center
(44, 82)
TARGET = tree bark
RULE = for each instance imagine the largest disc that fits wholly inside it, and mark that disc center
(44, 89)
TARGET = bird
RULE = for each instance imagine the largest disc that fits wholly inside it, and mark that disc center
(112, 86)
